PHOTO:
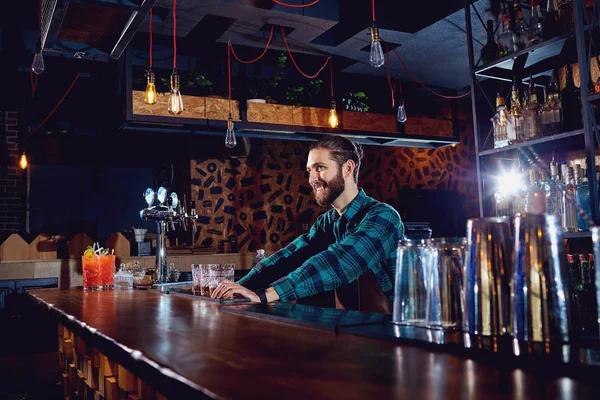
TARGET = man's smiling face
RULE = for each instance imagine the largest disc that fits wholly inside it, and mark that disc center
(325, 177)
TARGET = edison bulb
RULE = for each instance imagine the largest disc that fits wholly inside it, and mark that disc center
(333, 119)
(377, 57)
(175, 100)
(401, 116)
(23, 162)
(230, 140)
(37, 66)
(150, 93)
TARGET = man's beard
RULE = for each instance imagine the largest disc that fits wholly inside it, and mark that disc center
(331, 190)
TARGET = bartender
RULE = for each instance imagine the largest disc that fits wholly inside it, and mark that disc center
(350, 250)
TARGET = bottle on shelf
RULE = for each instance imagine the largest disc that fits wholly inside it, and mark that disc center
(569, 202)
(554, 191)
(587, 297)
(500, 121)
(535, 197)
(565, 15)
(489, 52)
(546, 115)
(554, 105)
(551, 23)
(516, 113)
(507, 40)
(520, 25)
(582, 189)
(526, 115)
(535, 32)
(534, 113)
(571, 103)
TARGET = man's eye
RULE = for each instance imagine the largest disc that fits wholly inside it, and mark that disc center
(320, 168)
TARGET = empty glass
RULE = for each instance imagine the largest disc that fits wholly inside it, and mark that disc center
(201, 279)
(218, 273)
(445, 295)
(410, 299)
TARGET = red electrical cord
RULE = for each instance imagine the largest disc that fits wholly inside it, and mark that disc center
(174, 34)
(31, 78)
(331, 75)
(296, 5)
(59, 103)
(150, 38)
(229, 50)
(373, 9)
(294, 61)
(257, 58)
(425, 86)
(392, 88)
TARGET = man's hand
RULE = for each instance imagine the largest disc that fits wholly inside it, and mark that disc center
(227, 290)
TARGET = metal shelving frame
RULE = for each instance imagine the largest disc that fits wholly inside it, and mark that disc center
(548, 55)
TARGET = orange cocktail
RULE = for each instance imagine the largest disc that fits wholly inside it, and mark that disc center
(91, 271)
(107, 270)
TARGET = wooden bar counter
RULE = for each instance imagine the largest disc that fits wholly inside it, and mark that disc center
(157, 345)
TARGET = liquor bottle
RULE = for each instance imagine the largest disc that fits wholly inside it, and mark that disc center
(520, 25)
(571, 103)
(554, 191)
(565, 14)
(535, 32)
(556, 105)
(535, 197)
(551, 24)
(500, 123)
(583, 198)
(489, 52)
(534, 113)
(516, 112)
(546, 115)
(526, 115)
(507, 39)
(569, 203)
(587, 298)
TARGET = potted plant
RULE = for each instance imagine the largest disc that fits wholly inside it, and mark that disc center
(263, 92)
(355, 101)
(304, 95)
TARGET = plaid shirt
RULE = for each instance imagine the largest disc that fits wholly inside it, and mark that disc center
(337, 250)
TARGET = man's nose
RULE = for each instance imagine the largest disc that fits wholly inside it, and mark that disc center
(313, 177)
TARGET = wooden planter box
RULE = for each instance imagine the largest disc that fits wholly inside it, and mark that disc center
(215, 108)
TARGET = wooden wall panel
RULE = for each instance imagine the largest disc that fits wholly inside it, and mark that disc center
(194, 106)
(368, 121)
(311, 116)
(270, 113)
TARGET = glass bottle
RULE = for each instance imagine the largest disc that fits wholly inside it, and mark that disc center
(565, 14)
(583, 198)
(500, 122)
(554, 191)
(551, 24)
(555, 105)
(535, 197)
(571, 103)
(516, 112)
(587, 298)
(535, 113)
(535, 32)
(520, 25)
(526, 115)
(546, 115)
(569, 220)
(507, 39)
(489, 52)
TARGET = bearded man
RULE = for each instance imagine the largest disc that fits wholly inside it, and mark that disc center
(350, 252)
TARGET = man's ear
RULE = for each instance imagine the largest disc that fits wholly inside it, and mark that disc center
(348, 168)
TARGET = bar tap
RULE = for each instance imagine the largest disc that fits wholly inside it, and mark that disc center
(165, 216)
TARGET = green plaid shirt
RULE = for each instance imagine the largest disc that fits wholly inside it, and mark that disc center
(337, 250)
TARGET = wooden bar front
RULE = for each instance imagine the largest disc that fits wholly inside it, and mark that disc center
(182, 347)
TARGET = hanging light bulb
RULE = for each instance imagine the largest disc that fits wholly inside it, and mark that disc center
(377, 58)
(401, 116)
(175, 101)
(23, 162)
(333, 118)
(150, 93)
(37, 66)
(230, 140)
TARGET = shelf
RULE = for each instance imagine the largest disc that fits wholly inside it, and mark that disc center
(577, 235)
(566, 139)
(534, 60)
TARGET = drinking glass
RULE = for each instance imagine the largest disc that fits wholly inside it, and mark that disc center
(200, 279)
(91, 272)
(106, 263)
(445, 294)
(218, 273)
(410, 300)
